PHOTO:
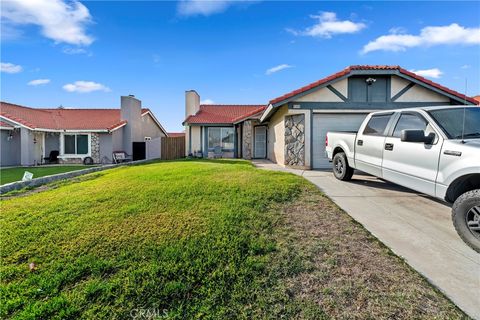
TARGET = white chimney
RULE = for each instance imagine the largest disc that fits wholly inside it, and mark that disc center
(192, 102)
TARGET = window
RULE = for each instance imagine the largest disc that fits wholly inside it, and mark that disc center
(223, 137)
(451, 121)
(409, 121)
(75, 144)
(377, 124)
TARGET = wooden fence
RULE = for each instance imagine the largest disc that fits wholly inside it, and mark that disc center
(173, 148)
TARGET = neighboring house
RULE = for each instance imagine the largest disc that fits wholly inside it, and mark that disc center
(477, 98)
(28, 135)
(291, 129)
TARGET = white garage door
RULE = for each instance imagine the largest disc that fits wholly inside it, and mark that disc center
(324, 122)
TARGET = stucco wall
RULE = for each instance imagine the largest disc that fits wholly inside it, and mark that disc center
(150, 128)
(106, 147)
(321, 95)
(117, 142)
(397, 84)
(9, 148)
(26, 146)
(420, 94)
(276, 136)
(132, 131)
(341, 86)
(196, 139)
(416, 93)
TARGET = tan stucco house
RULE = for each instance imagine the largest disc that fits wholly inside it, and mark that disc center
(29, 135)
(291, 129)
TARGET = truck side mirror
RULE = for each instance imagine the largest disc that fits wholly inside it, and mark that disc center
(417, 136)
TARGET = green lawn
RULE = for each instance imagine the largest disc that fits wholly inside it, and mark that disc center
(8, 175)
(198, 239)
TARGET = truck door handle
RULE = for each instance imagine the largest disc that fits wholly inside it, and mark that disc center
(360, 142)
(389, 146)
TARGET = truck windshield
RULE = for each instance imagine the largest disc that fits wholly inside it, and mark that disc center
(451, 121)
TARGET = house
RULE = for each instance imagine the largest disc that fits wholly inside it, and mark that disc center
(28, 135)
(291, 129)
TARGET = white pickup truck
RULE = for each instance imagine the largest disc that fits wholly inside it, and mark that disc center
(433, 150)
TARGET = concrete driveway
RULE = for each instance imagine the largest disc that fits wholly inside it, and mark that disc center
(415, 227)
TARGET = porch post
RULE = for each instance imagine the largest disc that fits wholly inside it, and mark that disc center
(26, 147)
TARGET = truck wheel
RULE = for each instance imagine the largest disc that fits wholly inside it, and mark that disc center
(466, 218)
(341, 169)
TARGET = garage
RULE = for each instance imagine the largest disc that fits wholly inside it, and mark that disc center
(324, 122)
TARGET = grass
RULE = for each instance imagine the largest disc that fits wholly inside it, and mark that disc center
(8, 175)
(199, 239)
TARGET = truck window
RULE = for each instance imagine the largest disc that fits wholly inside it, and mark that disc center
(377, 124)
(409, 121)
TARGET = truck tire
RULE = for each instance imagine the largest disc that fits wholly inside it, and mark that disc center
(341, 169)
(466, 218)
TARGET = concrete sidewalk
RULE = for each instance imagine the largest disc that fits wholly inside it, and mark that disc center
(415, 227)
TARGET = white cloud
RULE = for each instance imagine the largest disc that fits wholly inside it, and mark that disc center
(85, 86)
(59, 20)
(397, 30)
(207, 101)
(70, 50)
(466, 66)
(38, 82)
(10, 67)
(328, 25)
(429, 73)
(429, 36)
(277, 69)
(202, 7)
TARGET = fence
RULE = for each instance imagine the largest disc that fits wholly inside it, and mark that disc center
(173, 148)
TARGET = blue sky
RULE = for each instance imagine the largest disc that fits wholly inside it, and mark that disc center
(88, 54)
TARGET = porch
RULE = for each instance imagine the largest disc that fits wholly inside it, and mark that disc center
(247, 140)
(25, 147)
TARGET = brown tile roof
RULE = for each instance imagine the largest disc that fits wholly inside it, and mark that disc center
(4, 124)
(221, 113)
(176, 134)
(371, 67)
(63, 119)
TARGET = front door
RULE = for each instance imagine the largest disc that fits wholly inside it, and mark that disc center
(260, 142)
(412, 164)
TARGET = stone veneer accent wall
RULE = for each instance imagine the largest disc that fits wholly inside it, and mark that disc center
(295, 140)
(247, 139)
(95, 145)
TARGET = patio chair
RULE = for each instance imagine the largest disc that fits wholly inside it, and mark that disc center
(217, 152)
(120, 156)
(53, 157)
